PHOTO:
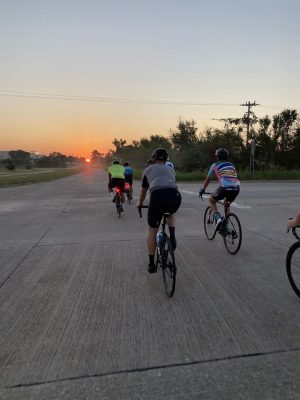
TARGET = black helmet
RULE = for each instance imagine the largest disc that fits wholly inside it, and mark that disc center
(125, 164)
(160, 154)
(222, 154)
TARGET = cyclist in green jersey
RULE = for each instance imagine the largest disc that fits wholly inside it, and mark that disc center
(116, 176)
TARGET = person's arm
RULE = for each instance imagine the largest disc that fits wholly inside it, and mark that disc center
(144, 189)
(142, 196)
(292, 223)
(206, 182)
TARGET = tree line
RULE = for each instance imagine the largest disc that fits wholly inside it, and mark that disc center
(25, 159)
(274, 140)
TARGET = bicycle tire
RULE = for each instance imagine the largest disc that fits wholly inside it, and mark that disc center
(293, 267)
(233, 234)
(118, 204)
(209, 224)
(168, 267)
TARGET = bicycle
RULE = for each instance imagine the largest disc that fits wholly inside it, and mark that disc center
(118, 201)
(128, 191)
(230, 228)
(164, 255)
(293, 263)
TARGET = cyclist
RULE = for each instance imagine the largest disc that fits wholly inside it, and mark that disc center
(116, 176)
(128, 176)
(229, 185)
(294, 222)
(164, 197)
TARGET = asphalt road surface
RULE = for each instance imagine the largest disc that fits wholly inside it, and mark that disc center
(81, 318)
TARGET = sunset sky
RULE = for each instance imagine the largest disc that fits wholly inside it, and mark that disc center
(75, 74)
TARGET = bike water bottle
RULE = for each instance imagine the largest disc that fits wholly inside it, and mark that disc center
(159, 240)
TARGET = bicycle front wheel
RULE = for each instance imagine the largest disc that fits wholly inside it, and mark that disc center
(168, 267)
(209, 224)
(232, 234)
(293, 267)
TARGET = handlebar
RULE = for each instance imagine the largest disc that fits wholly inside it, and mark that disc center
(140, 209)
(294, 230)
(200, 195)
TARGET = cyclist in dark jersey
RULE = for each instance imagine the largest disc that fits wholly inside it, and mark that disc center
(160, 180)
(229, 185)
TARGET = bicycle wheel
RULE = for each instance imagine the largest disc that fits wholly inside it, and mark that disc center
(168, 267)
(209, 224)
(118, 204)
(293, 267)
(232, 234)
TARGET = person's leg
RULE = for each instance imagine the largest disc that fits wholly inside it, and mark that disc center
(171, 225)
(110, 190)
(151, 243)
(213, 204)
(230, 196)
(217, 195)
(174, 203)
(154, 217)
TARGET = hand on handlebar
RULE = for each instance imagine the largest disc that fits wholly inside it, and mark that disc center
(201, 192)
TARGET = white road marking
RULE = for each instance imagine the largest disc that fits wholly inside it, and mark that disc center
(205, 196)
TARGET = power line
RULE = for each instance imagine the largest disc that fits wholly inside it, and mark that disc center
(65, 97)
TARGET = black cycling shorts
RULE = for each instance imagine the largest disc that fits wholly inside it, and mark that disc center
(228, 194)
(117, 182)
(162, 201)
(128, 179)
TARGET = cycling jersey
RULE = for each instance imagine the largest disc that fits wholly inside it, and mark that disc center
(158, 176)
(225, 173)
(128, 171)
(116, 171)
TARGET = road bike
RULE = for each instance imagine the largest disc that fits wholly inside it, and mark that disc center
(293, 263)
(230, 228)
(164, 255)
(128, 191)
(118, 201)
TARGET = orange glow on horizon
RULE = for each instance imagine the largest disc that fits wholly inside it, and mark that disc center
(87, 160)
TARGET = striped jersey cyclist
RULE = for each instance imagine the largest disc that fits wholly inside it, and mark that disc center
(229, 185)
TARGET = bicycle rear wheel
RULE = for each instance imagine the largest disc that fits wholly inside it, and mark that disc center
(209, 224)
(118, 204)
(168, 267)
(232, 233)
(293, 267)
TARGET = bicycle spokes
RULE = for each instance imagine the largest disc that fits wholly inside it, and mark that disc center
(168, 267)
(232, 233)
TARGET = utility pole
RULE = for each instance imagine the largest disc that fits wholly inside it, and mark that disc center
(247, 117)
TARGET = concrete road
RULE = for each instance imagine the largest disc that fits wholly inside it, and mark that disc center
(81, 318)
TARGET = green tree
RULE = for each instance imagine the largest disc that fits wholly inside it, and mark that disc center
(20, 157)
(284, 125)
(185, 135)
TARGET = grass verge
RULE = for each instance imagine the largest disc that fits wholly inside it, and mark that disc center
(33, 177)
(199, 176)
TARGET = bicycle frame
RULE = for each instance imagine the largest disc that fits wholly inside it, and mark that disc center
(118, 200)
(165, 256)
(230, 227)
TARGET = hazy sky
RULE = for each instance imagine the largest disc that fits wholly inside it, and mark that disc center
(75, 74)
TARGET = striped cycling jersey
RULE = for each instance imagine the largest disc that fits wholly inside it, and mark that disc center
(225, 173)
